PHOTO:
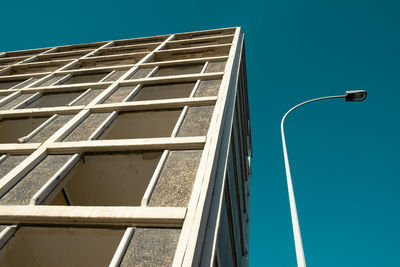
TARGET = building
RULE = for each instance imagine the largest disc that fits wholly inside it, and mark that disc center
(131, 152)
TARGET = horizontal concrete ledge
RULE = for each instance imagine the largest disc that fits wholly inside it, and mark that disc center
(81, 215)
(155, 104)
(171, 143)
(19, 148)
(30, 112)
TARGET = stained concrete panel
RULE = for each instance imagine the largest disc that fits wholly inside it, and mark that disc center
(208, 88)
(216, 66)
(14, 128)
(164, 91)
(120, 94)
(16, 101)
(50, 129)
(10, 163)
(196, 122)
(27, 187)
(176, 180)
(141, 73)
(146, 124)
(86, 128)
(88, 97)
(151, 247)
(61, 247)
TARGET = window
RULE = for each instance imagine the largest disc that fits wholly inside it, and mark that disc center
(57, 246)
(146, 124)
(118, 179)
(179, 70)
(164, 91)
(54, 99)
(85, 78)
(13, 128)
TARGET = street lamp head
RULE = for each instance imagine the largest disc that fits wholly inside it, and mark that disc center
(355, 95)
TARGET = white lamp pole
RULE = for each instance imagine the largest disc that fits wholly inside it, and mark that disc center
(358, 95)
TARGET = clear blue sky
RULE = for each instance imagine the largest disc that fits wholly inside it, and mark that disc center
(343, 155)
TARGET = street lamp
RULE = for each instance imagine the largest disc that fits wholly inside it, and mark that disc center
(355, 95)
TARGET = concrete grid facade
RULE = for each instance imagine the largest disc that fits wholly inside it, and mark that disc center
(131, 152)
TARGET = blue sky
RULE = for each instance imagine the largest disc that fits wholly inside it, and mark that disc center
(343, 155)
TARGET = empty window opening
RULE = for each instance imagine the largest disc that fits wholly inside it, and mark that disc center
(59, 246)
(54, 99)
(146, 124)
(25, 69)
(204, 34)
(107, 62)
(6, 61)
(179, 70)
(115, 179)
(13, 128)
(195, 53)
(127, 50)
(62, 56)
(86, 78)
(10, 83)
(24, 52)
(164, 91)
(79, 47)
(195, 43)
(139, 41)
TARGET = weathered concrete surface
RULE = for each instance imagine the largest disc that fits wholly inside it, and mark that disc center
(175, 183)
(88, 97)
(10, 163)
(119, 94)
(151, 247)
(140, 73)
(50, 129)
(196, 122)
(26, 188)
(84, 130)
(208, 88)
(216, 66)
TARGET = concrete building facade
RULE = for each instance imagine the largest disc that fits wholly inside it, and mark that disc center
(130, 152)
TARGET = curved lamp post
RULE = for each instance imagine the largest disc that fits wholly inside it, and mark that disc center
(357, 95)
